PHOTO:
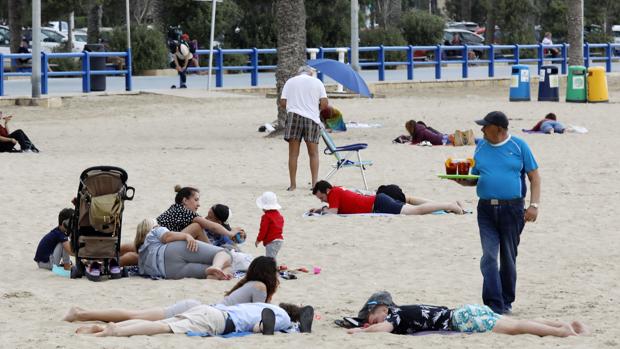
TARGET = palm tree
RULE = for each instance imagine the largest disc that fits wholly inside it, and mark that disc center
(291, 26)
(575, 32)
(17, 17)
(95, 13)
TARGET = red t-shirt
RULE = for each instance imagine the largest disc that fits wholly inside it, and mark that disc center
(3, 132)
(271, 224)
(348, 202)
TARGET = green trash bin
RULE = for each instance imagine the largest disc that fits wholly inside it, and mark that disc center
(576, 88)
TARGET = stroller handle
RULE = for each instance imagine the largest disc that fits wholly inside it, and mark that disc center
(122, 172)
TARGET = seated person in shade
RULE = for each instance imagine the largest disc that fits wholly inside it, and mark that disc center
(549, 124)
(332, 118)
(343, 201)
(469, 318)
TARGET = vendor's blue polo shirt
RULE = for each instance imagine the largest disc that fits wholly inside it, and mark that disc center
(502, 168)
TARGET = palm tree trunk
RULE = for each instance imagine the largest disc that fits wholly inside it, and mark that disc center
(575, 32)
(16, 22)
(95, 13)
(291, 24)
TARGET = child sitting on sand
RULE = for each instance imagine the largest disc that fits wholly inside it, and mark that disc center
(549, 124)
(271, 224)
(54, 247)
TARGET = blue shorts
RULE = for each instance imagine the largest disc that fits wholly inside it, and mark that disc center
(474, 318)
(385, 204)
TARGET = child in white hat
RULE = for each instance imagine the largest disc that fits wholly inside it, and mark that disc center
(271, 224)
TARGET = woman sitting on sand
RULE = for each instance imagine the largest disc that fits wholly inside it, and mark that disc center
(174, 255)
(408, 319)
(182, 217)
(258, 285)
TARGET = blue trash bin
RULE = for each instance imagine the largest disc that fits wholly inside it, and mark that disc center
(520, 83)
(548, 84)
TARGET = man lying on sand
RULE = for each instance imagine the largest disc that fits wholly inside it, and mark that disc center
(342, 201)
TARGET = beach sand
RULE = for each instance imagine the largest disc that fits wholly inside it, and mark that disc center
(568, 265)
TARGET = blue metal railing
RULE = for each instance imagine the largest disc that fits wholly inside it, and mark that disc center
(437, 56)
(85, 73)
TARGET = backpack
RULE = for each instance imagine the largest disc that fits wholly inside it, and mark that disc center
(464, 138)
(105, 212)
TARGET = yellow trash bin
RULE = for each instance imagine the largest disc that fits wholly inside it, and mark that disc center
(597, 85)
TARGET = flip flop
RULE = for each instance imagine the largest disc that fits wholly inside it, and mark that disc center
(268, 321)
(306, 316)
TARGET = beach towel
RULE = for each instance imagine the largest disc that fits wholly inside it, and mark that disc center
(569, 128)
(312, 214)
(229, 335)
(353, 124)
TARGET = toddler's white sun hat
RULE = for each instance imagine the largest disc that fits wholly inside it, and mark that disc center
(268, 201)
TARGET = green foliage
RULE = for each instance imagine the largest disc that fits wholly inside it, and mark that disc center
(553, 20)
(65, 64)
(328, 26)
(386, 37)
(422, 28)
(148, 47)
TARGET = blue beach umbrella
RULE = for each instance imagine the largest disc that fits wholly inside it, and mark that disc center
(341, 73)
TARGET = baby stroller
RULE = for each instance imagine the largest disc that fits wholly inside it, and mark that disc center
(95, 229)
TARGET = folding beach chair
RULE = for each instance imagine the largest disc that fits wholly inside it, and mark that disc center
(342, 154)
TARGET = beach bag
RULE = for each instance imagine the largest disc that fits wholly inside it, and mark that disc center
(464, 138)
(105, 212)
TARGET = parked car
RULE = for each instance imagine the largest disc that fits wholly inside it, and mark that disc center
(615, 30)
(462, 37)
(469, 26)
(51, 39)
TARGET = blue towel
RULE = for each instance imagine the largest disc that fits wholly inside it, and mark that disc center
(229, 335)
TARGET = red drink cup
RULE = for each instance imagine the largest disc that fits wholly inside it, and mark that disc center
(463, 168)
(451, 168)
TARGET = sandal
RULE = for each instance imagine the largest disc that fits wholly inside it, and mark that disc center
(306, 316)
(268, 321)
(93, 272)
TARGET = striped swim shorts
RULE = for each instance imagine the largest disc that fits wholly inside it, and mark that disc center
(474, 318)
(299, 127)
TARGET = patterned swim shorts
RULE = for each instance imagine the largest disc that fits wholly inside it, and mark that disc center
(299, 127)
(474, 318)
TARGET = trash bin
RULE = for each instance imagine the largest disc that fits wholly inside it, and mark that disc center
(597, 85)
(576, 84)
(97, 82)
(548, 84)
(520, 83)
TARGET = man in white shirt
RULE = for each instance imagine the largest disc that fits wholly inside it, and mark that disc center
(304, 97)
(554, 52)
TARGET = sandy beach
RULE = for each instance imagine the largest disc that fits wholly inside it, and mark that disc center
(568, 265)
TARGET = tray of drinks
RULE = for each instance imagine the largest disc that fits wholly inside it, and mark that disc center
(458, 176)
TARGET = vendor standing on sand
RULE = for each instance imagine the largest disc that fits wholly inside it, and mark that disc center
(502, 161)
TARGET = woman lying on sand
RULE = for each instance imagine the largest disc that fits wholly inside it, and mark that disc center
(408, 319)
(214, 320)
(258, 286)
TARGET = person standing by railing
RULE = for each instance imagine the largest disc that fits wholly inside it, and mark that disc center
(552, 51)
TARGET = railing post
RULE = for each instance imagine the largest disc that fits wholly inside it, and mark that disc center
(219, 63)
(410, 62)
(516, 53)
(128, 74)
(2, 75)
(320, 56)
(491, 60)
(44, 75)
(438, 62)
(541, 56)
(381, 63)
(608, 57)
(254, 61)
(586, 55)
(564, 59)
(86, 72)
(465, 62)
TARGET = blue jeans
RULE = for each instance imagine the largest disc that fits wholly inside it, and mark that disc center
(550, 124)
(500, 230)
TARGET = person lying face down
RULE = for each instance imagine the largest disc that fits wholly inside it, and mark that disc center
(343, 201)
(409, 319)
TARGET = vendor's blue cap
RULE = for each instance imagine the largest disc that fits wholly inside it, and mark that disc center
(496, 118)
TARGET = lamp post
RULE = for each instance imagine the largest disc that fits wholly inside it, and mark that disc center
(355, 35)
(213, 7)
(128, 19)
(35, 78)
